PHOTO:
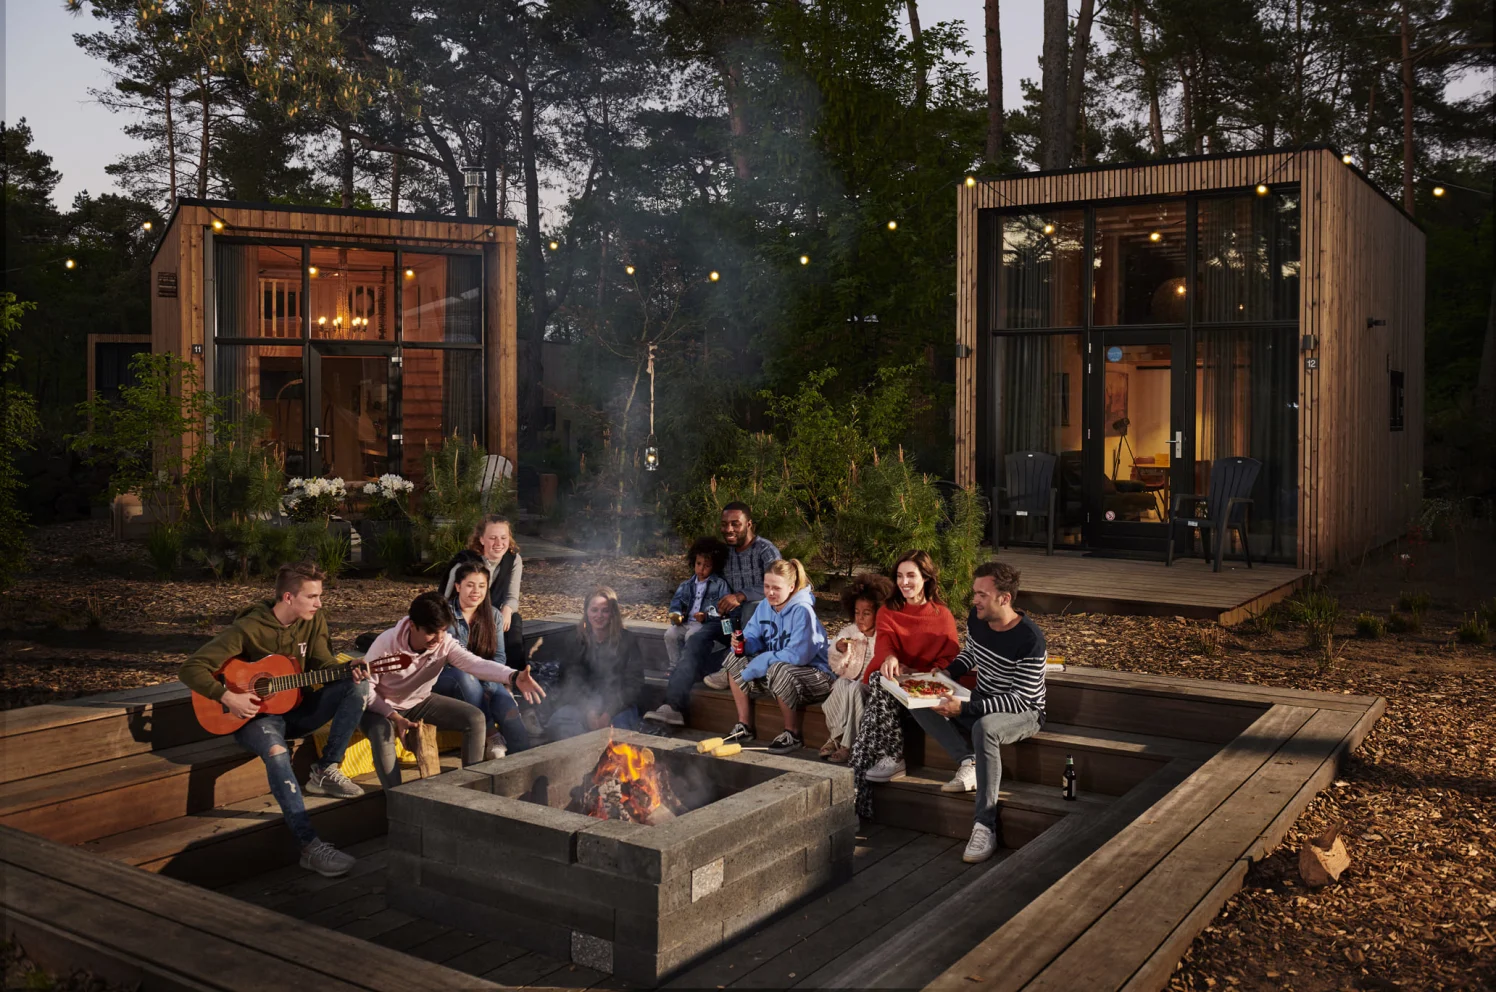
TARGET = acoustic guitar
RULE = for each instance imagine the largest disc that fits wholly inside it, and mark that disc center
(278, 681)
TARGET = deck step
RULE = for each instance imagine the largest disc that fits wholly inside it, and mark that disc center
(914, 801)
(53, 737)
(107, 797)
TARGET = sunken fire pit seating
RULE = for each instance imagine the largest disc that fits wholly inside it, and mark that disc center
(492, 848)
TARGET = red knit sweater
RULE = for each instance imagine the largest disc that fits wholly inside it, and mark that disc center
(922, 637)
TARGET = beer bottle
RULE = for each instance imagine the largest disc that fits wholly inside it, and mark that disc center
(1069, 790)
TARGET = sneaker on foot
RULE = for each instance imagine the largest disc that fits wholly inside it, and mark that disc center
(983, 844)
(965, 780)
(716, 680)
(496, 747)
(740, 733)
(666, 714)
(329, 780)
(884, 769)
(786, 742)
(324, 859)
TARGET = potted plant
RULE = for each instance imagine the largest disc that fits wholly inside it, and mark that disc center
(384, 532)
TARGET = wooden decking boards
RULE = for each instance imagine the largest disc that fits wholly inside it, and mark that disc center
(1184, 783)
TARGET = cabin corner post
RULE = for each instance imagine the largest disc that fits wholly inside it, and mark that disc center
(501, 406)
(966, 335)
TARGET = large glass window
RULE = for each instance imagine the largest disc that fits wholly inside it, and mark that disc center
(1040, 273)
(441, 395)
(1246, 403)
(1247, 258)
(1037, 381)
(1140, 264)
(443, 298)
(259, 290)
(268, 379)
(352, 294)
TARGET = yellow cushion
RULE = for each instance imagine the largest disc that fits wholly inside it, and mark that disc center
(359, 758)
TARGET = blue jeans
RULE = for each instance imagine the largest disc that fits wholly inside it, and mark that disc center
(496, 702)
(700, 656)
(343, 704)
(569, 720)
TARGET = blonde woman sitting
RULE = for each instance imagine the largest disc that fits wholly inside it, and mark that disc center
(784, 651)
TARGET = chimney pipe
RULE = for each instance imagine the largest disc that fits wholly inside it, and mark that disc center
(472, 178)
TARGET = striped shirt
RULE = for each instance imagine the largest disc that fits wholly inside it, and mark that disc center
(745, 569)
(1009, 665)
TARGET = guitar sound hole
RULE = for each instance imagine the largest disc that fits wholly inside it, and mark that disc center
(262, 686)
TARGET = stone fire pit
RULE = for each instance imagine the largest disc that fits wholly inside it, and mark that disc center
(493, 849)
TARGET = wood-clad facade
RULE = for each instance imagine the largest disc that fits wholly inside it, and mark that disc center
(365, 337)
(1139, 322)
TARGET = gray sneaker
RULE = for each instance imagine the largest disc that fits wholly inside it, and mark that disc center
(324, 859)
(329, 780)
(716, 680)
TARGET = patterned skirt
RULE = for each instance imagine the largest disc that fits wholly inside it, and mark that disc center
(880, 735)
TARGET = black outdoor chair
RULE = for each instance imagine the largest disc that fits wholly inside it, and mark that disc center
(1029, 493)
(1228, 505)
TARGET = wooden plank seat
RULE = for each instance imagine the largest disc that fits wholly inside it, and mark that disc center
(67, 909)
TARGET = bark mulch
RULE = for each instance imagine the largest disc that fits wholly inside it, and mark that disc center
(1416, 909)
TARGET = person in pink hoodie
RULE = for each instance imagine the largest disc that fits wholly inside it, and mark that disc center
(403, 698)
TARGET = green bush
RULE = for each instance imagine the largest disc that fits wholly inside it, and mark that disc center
(961, 546)
(331, 552)
(164, 547)
(454, 500)
(1414, 602)
(1318, 612)
(395, 552)
(1474, 630)
(1370, 625)
(18, 426)
(1404, 623)
(1487, 612)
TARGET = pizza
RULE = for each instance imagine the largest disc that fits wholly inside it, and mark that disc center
(923, 686)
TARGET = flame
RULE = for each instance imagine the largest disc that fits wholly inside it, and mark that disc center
(640, 784)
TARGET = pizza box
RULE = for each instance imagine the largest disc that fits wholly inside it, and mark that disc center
(924, 702)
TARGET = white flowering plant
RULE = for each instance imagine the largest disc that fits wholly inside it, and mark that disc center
(389, 497)
(306, 500)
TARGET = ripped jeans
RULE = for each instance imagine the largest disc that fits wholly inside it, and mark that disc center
(343, 704)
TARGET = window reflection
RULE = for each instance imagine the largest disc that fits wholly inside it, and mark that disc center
(352, 294)
(1140, 264)
(1040, 270)
(442, 298)
(1037, 381)
(259, 290)
(1247, 250)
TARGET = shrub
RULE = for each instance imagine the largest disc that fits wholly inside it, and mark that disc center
(389, 497)
(455, 499)
(18, 426)
(1487, 612)
(331, 552)
(1264, 623)
(1318, 612)
(164, 547)
(308, 500)
(1474, 630)
(395, 552)
(1414, 602)
(1370, 625)
(1405, 623)
(961, 545)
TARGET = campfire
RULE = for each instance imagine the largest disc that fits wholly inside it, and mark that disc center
(627, 784)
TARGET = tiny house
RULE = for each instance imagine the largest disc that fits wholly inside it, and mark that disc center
(364, 337)
(1141, 321)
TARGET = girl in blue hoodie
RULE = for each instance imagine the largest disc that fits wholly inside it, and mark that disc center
(784, 655)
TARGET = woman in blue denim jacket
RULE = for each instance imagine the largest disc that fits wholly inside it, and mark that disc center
(476, 625)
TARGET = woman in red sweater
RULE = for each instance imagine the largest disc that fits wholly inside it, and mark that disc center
(916, 633)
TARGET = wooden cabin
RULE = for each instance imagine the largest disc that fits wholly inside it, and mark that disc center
(365, 337)
(1141, 321)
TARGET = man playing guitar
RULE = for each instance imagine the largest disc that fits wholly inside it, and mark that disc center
(292, 625)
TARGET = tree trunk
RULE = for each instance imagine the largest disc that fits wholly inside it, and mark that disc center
(1187, 105)
(171, 147)
(490, 176)
(921, 84)
(1485, 383)
(540, 307)
(1075, 88)
(994, 82)
(1052, 151)
(1407, 88)
(449, 164)
(1150, 83)
(345, 168)
(397, 162)
(732, 76)
(202, 143)
(1298, 74)
(1371, 107)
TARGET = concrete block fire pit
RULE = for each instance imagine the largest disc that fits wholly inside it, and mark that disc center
(495, 850)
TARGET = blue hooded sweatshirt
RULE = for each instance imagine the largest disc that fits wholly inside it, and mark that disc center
(792, 635)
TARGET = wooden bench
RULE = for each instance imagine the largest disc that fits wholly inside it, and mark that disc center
(68, 909)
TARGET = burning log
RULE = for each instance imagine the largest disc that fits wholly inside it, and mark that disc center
(627, 784)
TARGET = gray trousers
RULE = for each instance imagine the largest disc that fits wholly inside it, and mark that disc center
(843, 710)
(987, 736)
(442, 712)
(675, 639)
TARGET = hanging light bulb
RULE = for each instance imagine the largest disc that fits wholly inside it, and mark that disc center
(893, 225)
(804, 259)
(1048, 228)
(1346, 159)
(410, 273)
(1438, 190)
(1155, 236)
(651, 456)
(555, 245)
(146, 226)
(971, 180)
(715, 275)
(628, 269)
(1179, 290)
(311, 270)
(70, 264)
(1262, 189)
(217, 224)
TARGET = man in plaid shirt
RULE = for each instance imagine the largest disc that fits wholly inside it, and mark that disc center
(748, 555)
(1008, 652)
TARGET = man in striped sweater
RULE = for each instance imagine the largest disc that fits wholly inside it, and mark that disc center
(1007, 650)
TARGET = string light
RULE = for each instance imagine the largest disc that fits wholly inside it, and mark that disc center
(1438, 190)
(1261, 189)
(1179, 290)
(715, 275)
(804, 259)
(1346, 159)
(555, 245)
(410, 273)
(217, 224)
(629, 269)
(1155, 236)
(971, 180)
(70, 264)
(893, 225)
(1048, 228)
(311, 270)
(146, 226)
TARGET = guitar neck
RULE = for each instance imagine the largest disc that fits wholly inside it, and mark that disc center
(317, 676)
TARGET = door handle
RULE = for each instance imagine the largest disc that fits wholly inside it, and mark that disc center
(317, 438)
(1178, 443)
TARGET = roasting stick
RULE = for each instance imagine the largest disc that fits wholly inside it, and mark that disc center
(728, 750)
(712, 743)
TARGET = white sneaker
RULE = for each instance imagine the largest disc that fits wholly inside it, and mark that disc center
(329, 780)
(496, 747)
(666, 714)
(324, 859)
(965, 780)
(983, 844)
(884, 769)
(716, 680)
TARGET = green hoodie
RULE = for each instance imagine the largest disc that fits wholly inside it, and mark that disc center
(255, 633)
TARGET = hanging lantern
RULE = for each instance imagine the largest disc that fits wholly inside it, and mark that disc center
(651, 456)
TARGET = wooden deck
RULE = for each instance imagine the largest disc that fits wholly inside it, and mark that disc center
(1072, 582)
(1183, 784)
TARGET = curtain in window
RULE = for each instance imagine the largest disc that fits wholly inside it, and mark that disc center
(1038, 270)
(464, 309)
(462, 399)
(1247, 258)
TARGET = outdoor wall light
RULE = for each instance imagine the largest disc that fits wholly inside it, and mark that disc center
(555, 245)
(1262, 189)
(715, 275)
(1179, 290)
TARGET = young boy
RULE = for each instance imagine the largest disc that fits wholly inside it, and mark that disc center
(1007, 650)
(698, 594)
(403, 698)
(292, 625)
